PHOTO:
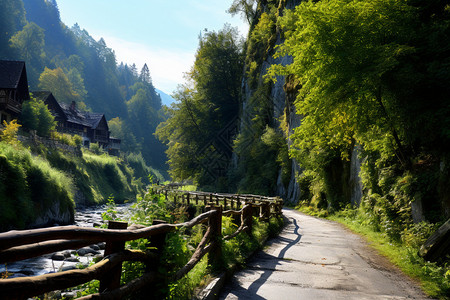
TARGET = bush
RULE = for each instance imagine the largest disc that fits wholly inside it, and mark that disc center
(36, 116)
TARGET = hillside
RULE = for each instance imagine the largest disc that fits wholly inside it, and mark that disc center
(42, 183)
(75, 67)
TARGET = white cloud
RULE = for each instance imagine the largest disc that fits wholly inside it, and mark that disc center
(167, 66)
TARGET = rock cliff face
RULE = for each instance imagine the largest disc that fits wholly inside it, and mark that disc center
(54, 215)
(282, 95)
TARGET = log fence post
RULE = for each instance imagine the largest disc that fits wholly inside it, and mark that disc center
(247, 217)
(111, 281)
(215, 223)
(155, 241)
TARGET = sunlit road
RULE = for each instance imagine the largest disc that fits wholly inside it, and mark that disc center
(319, 259)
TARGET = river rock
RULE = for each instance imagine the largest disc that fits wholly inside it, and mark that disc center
(58, 256)
(94, 247)
(86, 250)
(68, 268)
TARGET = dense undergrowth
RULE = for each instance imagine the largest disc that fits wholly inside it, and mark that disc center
(400, 247)
(29, 186)
(37, 180)
(180, 245)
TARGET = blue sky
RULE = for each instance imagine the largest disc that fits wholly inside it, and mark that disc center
(162, 33)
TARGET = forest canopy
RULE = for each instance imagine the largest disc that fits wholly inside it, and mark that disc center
(75, 67)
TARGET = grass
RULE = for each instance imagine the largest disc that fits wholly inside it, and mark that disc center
(30, 186)
(433, 278)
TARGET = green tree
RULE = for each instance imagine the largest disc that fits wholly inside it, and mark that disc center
(342, 52)
(370, 73)
(57, 82)
(145, 75)
(244, 7)
(30, 43)
(207, 103)
(12, 18)
(37, 116)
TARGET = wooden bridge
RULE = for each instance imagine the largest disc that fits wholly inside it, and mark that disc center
(19, 245)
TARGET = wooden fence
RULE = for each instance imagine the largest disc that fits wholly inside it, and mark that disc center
(19, 245)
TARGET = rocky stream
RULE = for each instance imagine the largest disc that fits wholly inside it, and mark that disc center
(68, 259)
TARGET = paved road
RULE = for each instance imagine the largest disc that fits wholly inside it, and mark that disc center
(319, 259)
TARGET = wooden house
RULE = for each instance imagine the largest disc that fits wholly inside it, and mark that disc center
(92, 127)
(13, 89)
(99, 130)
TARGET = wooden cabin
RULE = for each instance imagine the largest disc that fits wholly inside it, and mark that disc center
(13, 89)
(99, 130)
(92, 127)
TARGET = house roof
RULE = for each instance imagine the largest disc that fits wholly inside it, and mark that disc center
(71, 113)
(51, 102)
(13, 75)
(74, 115)
(10, 73)
(94, 119)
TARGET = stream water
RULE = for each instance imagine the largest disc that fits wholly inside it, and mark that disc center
(69, 259)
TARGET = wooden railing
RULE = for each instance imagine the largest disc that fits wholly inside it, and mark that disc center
(19, 245)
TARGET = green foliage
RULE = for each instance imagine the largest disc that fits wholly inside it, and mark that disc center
(180, 245)
(29, 187)
(36, 116)
(96, 149)
(364, 68)
(96, 177)
(12, 19)
(76, 67)
(260, 161)
(9, 133)
(56, 81)
(29, 43)
(244, 7)
(261, 40)
(111, 212)
(141, 170)
(206, 105)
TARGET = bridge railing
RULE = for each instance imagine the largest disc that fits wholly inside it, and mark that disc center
(23, 244)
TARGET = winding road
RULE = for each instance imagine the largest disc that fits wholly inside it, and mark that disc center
(318, 259)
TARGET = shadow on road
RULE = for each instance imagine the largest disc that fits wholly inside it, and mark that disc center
(267, 263)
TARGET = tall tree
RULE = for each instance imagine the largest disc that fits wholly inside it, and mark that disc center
(12, 19)
(57, 82)
(145, 75)
(244, 7)
(29, 43)
(208, 105)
